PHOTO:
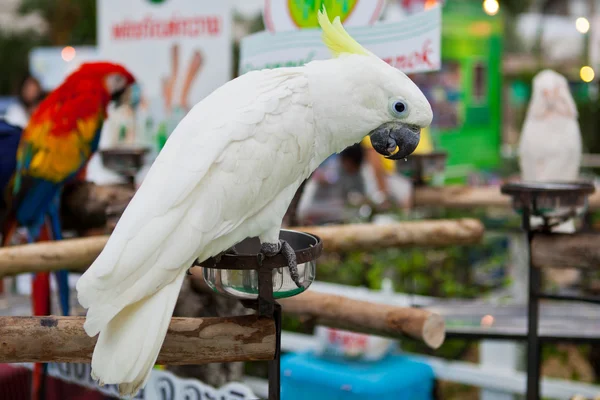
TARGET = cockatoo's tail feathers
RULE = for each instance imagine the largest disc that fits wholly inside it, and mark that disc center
(336, 38)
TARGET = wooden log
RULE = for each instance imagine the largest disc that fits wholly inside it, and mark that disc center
(363, 316)
(366, 237)
(78, 254)
(188, 341)
(468, 197)
(579, 250)
(70, 254)
(460, 197)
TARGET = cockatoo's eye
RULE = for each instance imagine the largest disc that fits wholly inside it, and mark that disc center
(398, 108)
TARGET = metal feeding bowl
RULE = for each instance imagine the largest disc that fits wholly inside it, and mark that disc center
(124, 160)
(424, 168)
(553, 201)
(237, 274)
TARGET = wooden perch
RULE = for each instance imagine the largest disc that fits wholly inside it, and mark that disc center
(70, 254)
(189, 340)
(366, 237)
(468, 197)
(78, 254)
(580, 250)
(208, 340)
(363, 316)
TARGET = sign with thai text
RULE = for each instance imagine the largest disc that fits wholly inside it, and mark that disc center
(178, 50)
(162, 385)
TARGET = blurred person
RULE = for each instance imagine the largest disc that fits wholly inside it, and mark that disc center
(351, 179)
(29, 97)
(329, 189)
(319, 202)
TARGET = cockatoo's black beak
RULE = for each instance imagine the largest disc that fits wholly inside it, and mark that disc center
(395, 140)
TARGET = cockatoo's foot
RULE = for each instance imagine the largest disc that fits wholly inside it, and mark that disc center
(283, 247)
(217, 258)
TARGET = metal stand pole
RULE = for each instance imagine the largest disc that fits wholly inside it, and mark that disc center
(533, 339)
(269, 308)
(274, 365)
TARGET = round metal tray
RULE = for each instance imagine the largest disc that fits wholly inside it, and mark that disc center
(556, 200)
(236, 275)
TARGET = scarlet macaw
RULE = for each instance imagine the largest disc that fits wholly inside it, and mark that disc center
(61, 136)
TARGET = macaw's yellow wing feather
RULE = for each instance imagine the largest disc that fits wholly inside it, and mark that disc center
(336, 38)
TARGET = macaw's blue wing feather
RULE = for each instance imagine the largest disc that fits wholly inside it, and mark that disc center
(33, 202)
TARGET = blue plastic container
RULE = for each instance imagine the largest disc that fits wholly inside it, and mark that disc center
(305, 376)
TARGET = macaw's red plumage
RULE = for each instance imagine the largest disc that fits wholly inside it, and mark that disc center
(64, 130)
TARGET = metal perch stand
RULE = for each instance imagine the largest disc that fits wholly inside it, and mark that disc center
(218, 276)
(554, 203)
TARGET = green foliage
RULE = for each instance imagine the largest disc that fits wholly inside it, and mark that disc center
(70, 21)
(15, 48)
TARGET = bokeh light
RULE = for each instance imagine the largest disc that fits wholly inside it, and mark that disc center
(68, 53)
(587, 73)
(582, 25)
(487, 321)
(491, 7)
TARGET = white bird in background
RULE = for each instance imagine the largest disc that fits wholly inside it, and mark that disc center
(229, 172)
(550, 146)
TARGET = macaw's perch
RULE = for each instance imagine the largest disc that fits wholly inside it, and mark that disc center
(78, 254)
(70, 254)
(362, 316)
(468, 197)
(366, 237)
(580, 250)
(189, 340)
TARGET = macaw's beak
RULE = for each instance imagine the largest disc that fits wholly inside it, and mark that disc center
(395, 140)
(117, 96)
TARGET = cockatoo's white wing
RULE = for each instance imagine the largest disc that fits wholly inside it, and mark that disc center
(231, 157)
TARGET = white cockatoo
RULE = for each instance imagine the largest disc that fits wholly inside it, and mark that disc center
(229, 172)
(550, 146)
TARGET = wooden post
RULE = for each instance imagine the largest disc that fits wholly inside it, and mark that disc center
(363, 316)
(78, 254)
(188, 341)
(579, 250)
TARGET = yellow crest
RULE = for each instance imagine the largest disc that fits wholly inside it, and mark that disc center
(336, 38)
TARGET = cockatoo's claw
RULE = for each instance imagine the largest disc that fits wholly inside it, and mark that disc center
(283, 247)
(189, 271)
(290, 256)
